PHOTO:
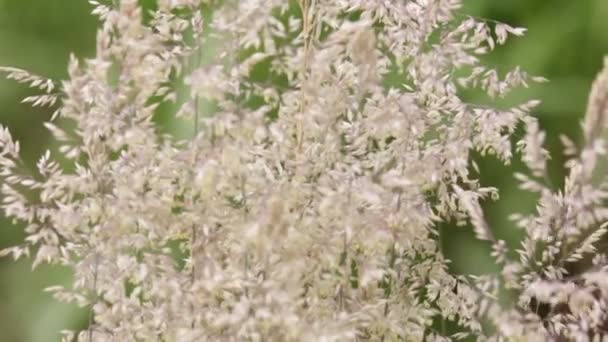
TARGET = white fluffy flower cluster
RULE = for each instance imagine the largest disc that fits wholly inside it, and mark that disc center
(329, 139)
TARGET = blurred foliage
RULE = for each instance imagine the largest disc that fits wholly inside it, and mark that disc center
(36, 35)
(565, 42)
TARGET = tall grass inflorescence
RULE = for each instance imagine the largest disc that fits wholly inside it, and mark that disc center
(328, 140)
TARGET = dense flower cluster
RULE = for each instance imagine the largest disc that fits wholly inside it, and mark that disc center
(329, 139)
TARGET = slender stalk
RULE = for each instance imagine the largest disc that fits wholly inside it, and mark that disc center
(92, 310)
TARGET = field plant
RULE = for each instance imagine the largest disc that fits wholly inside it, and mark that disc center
(328, 140)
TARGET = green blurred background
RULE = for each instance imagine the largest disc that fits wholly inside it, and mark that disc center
(565, 42)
